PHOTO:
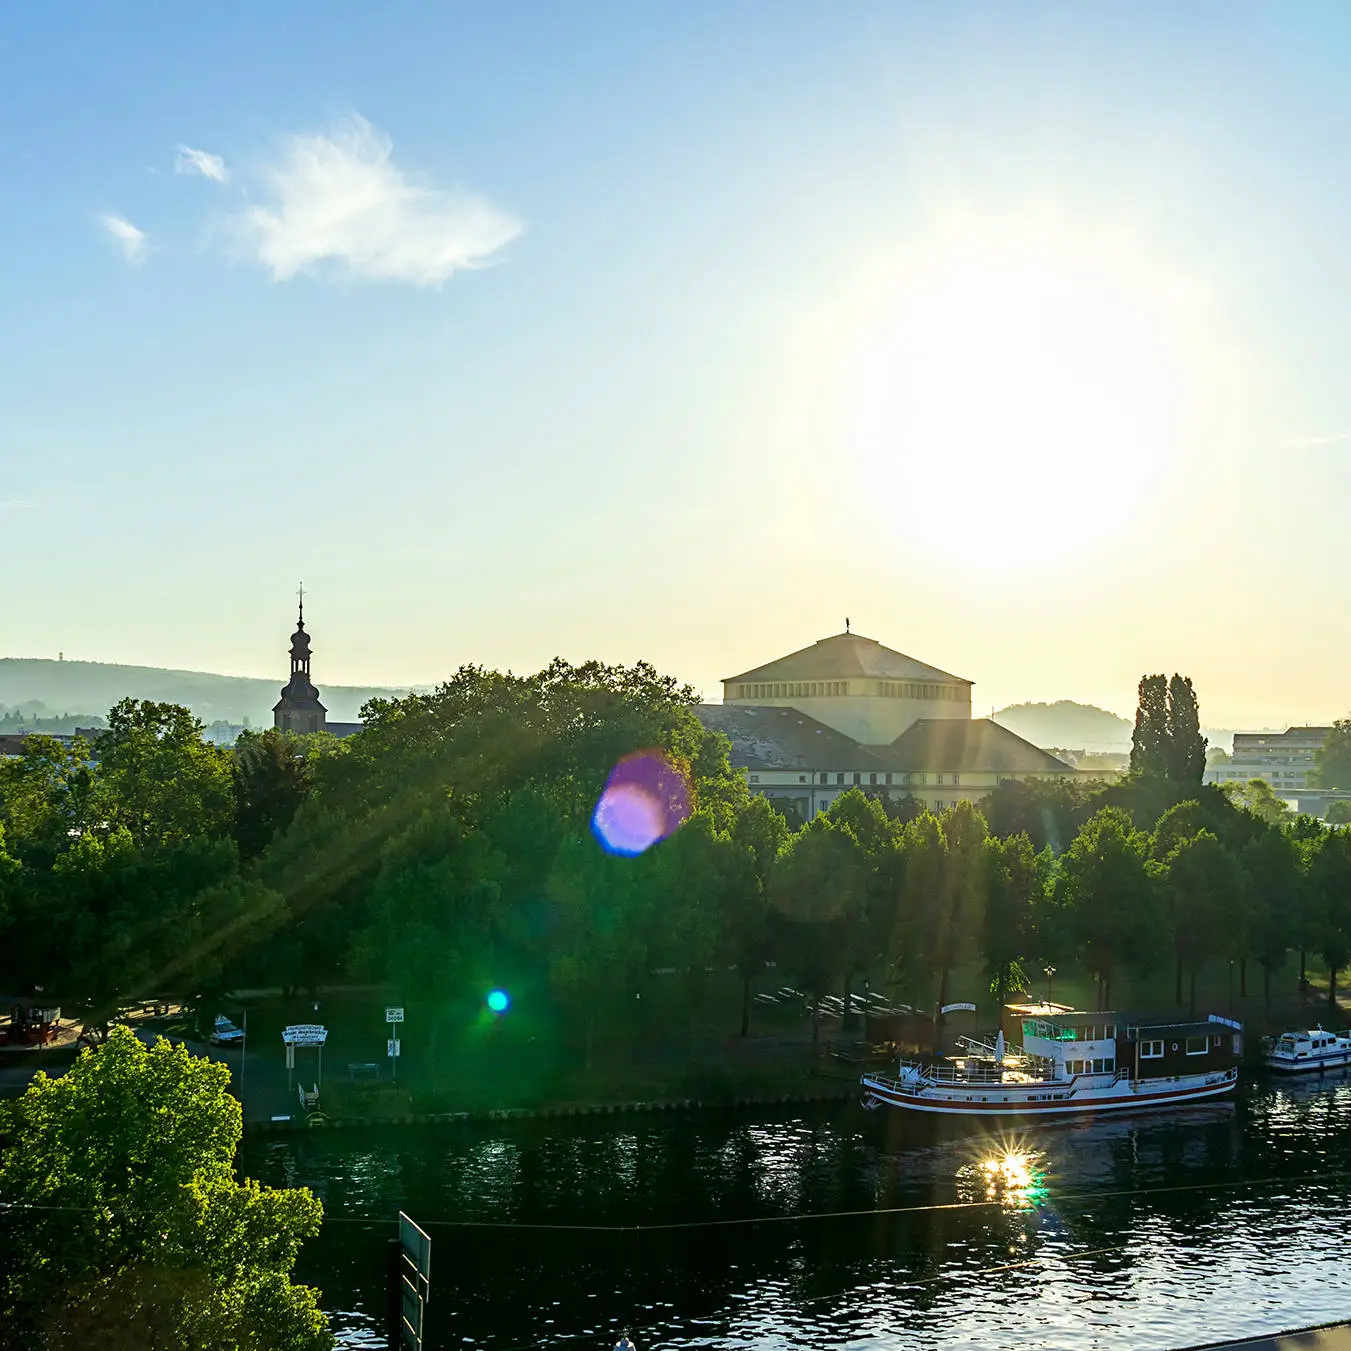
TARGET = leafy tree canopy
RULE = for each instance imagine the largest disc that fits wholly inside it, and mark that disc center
(123, 1221)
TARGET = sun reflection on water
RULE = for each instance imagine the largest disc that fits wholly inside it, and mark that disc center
(1009, 1174)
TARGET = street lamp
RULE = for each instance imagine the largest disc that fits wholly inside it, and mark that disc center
(1050, 971)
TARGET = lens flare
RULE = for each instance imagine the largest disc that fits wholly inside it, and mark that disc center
(499, 1001)
(646, 799)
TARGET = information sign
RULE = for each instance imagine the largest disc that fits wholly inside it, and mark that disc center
(305, 1034)
(392, 1046)
(393, 1015)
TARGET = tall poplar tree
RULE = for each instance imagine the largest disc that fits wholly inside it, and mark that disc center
(1185, 755)
(1149, 740)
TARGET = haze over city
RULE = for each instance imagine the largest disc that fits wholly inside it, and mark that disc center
(1016, 333)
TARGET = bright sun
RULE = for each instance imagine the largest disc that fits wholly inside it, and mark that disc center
(1018, 405)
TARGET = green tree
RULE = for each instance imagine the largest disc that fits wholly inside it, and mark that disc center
(761, 833)
(1185, 756)
(819, 895)
(1333, 762)
(1015, 887)
(271, 779)
(1258, 797)
(1107, 896)
(962, 898)
(159, 779)
(1339, 814)
(1208, 904)
(1149, 739)
(122, 1216)
(1329, 880)
(1276, 895)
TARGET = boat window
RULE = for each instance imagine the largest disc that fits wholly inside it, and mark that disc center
(1151, 1050)
(1197, 1045)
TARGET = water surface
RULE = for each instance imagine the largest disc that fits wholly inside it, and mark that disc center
(876, 1230)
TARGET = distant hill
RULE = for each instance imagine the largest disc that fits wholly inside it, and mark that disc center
(48, 689)
(1065, 723)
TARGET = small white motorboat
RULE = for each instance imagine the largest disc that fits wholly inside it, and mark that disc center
(1301, 1052)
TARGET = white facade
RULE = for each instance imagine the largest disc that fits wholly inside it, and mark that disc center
(873, 712)
(814, 791)
(867, 692)
(1286, 760)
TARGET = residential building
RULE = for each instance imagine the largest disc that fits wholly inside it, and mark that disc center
(1286, 760)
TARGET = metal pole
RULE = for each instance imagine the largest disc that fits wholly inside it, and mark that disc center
(244, 1061)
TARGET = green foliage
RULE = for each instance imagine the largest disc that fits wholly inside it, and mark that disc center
(1329, 882)
(1016, 879)
(1167, 741)
(158, 779)
(1258, 797)
(1185, 754)
(1149, 739)
(123, 1221)
(1333, 762)
(1206, 893)
(271, 775)
(1107, 897)
(1339, 814)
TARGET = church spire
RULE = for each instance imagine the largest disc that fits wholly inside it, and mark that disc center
(299, 709)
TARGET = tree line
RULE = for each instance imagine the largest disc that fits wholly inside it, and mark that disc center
(448, 848)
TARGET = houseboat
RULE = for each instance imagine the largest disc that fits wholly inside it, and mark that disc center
(1070, 1063)
(1301, 1052)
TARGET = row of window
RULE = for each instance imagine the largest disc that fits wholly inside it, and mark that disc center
(827, 689)
(790, 689)
(899, 689)
(938, 804)
(1091, 1066)
(1092, 1032)
(1153, 1050)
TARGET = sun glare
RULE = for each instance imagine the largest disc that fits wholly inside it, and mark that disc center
(1018, 405)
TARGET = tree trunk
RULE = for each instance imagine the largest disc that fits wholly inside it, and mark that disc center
(1243, 978)
(745, 1004)
(1332, 987)
(816, 1022)
(1266, 987)
(942, 988)
(1303, 970)
(1107, 991)
(590, 1040)
(1191, 994)
(1177, 993)
(847, 1018)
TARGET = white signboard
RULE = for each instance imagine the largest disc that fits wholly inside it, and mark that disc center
(305, 1034)
(958, 1008)
(393, 1015)
(392, 1046)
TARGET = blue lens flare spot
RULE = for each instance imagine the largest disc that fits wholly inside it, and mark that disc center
(499, 1001)
(646, 799)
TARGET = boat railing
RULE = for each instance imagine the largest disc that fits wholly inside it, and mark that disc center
(985, 1048)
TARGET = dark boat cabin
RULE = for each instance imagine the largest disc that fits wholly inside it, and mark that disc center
(1145, 1046)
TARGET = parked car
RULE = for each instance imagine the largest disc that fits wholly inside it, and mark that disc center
(226, 1033)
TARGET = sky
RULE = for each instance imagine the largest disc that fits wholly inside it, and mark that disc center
(1016, 333)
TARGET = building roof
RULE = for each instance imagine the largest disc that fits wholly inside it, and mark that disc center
(783, 738)
(973, 744)
(845, 656)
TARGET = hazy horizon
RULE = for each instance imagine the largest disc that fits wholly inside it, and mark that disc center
(1016, 332)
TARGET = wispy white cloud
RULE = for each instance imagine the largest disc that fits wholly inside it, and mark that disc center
(340, 198)
(202, 162)
(130, 240)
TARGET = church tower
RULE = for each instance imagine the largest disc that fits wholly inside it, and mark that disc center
(299, 710)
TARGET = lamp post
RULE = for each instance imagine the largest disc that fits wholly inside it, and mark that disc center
(1050, 971)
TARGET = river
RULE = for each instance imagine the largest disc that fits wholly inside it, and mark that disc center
(876, 1229)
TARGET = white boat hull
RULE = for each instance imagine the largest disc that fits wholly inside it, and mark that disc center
(1308, 1064)
(1036, 1100)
